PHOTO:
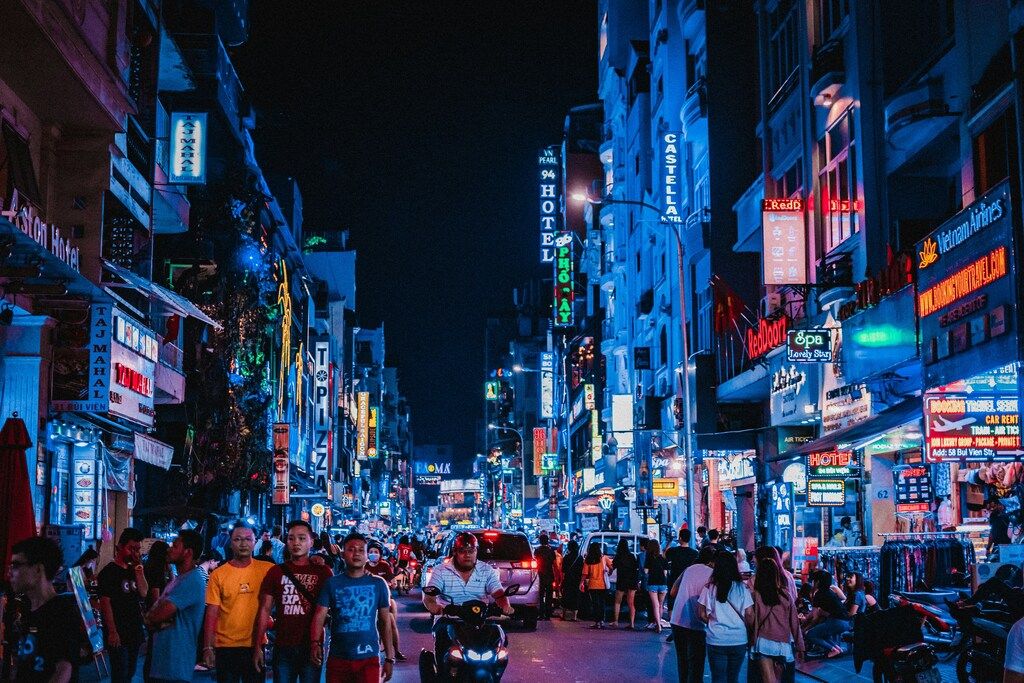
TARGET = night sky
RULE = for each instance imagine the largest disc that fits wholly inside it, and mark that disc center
(414, 125)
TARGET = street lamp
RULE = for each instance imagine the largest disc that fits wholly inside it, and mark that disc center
(522, 461)
(688, 426)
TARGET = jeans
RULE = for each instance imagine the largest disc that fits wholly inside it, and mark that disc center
(234, 665)
(123, 662)
(547, 594)
(691, 650)
(826, 634)
(597, 600)
(726, 662)
(291, 663)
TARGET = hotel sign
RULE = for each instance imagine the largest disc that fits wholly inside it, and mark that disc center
(188, 148)
(670, 177)
(549, 169)
(966, 293)
(24, 217)
(783, 253)
(830, 464)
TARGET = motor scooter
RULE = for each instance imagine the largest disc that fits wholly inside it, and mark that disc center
(478, 649)
(984, 629)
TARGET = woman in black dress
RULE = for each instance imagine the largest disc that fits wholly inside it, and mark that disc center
(627, 573)
(572, 573)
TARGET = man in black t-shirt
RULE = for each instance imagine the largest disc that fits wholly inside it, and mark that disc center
(122, 588)
(49, 630)
(679, 557)
(545, 557)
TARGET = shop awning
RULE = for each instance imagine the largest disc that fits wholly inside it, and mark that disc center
(908, 411)
(39, 266)
(155, 292)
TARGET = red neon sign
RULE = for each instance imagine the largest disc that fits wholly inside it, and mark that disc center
(845, 205)
(768, 335)
(972, 277)
(130, 378)
(782, 204)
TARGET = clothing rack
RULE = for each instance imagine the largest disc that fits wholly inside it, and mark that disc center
(838, 561)
(922, 535)
(923, 561)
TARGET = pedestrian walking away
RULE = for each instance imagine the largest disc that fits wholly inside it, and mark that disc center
(358, 604)
(687, 627)
(545, 557)
(123, 588)
(176, 619)
(777, 637)
(627, 578)
(657, 570)
(726, 607)
(595, 581)
(291, 591)
(232, 602)
(46, 643)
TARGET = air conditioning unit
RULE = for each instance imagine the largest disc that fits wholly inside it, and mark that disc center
(771, 302)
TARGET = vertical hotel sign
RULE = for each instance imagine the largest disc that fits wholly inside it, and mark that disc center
(282, 482)
(362, 423)
(188, 148)
(547, 385)
(322, 415)
(670, 177)
(549, 170)
(540, 443)
(784, 247)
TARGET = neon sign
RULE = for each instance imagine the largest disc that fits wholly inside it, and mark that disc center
(130, 378)
(670, 177)
(188, 148)
(550, 206)
(768, 335)
(830, 464)
(972, 428)
(783, 247)
(564, 281)
(972, 277)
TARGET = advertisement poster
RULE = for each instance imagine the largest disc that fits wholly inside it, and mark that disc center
(76, 579)
(972, 428)
(784, 241)
(644, 471)
(282, 474)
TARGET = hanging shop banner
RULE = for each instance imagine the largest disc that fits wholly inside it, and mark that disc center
(644, 471)
(547, 385)
(492, 389)
(188, 148)
(540, 442)
(735, 468)
(783, 252)
(94, 388)
(842, 404)
(156, 453)
(913, 488)
(549, 171)
(781, 508)
(362, 422)
(282, 478)
(133, 358)
(769, 334)
(966, 291)
(322, 415)
(809, 346)
(371, 434)
(589, 398)
(826, 492)
(565, 281)
(596, 452)
(793, 391)
(831, 464)
(666, 487)
(972, 428)
(670, 177)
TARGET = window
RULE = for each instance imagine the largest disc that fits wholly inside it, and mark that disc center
(791, 181)
(838, 181)
(783, 45)
(831, 14)
(995, 153)
(17, 163)
(638, 262)
(663, 347)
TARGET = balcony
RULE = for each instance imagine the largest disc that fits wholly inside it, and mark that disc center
(691, 18)
(606, 150)
(914, 118)
(828, 71)
(748, 218)
(612, 340)
(697, 235)
(170, 378)
(214, 74)
(694, 113)
(835, 277)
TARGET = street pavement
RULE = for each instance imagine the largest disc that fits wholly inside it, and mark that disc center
(565, 652)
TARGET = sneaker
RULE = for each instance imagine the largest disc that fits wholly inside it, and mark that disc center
(596, 626)
(399, 656)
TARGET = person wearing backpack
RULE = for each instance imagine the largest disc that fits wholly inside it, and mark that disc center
(727, 607)
(778, 638)
(291, 589)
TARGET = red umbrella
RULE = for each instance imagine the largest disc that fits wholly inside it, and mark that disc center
(17, 518)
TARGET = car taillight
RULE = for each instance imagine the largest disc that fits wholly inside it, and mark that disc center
(533, 564)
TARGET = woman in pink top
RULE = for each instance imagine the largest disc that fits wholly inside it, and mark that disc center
(778, 639)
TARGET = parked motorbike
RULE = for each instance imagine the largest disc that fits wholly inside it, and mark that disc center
(984, 630)
(942, 632)
(893, 641)
(479, 647)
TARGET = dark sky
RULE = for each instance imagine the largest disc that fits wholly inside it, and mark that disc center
(414, 125)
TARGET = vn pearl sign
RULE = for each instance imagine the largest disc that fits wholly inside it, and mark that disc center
(549, 169)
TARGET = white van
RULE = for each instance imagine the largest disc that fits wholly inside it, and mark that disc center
(609, 541)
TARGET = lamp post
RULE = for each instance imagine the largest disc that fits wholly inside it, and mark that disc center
(522, 464)
(687, 436)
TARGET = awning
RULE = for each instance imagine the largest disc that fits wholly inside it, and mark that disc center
(908, 411)
(155, 292)
(28, 255)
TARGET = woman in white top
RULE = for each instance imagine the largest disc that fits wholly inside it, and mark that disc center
(726, 606)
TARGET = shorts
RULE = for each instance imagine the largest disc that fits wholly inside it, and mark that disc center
(353, 670)
(623, 587)
(658, 588)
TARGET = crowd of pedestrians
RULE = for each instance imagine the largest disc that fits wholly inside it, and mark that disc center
(180, 612)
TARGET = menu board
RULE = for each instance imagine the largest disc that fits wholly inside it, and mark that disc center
(85, 496)
(913, 488)
(980, 428)
(826, 492)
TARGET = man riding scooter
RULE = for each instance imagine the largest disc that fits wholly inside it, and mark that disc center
(462, 579)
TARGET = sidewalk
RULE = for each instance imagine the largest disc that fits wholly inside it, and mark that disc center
(841, 669)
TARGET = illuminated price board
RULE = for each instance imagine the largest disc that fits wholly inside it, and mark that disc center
(972, 428)
(826, 492)
(913, 488)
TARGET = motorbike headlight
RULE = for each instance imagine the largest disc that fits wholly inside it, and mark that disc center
(474, 656)
(455, 653)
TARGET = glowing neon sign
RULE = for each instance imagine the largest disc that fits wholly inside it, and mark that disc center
(188, 148)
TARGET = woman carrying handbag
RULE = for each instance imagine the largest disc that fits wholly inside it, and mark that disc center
(777, 637)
